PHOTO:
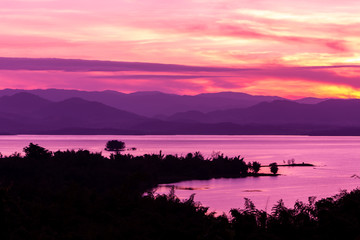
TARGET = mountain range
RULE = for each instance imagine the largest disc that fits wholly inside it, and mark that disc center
(153, 104)
(56, 111)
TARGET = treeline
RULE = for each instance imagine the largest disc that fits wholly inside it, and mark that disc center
(173, 168)
(144, 172)
(83, 195)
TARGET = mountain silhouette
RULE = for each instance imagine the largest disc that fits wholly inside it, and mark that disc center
(311, 100)
(79, 112)
(153, 103)
(22, 102)
(330, 112)
(26, 113)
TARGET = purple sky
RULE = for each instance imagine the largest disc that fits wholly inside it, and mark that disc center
(258, 47)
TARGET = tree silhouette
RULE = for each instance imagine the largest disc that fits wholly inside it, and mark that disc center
(115, 146)
(34, 151)
(273, 168)
(71, 185)
(256, 167)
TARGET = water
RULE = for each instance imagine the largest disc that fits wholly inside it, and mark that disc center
(336, 160)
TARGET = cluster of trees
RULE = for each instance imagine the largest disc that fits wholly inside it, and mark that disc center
(83, 195)
(193, 165)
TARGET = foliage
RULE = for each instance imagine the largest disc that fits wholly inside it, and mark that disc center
(115, 146)
(255, 167)
(83, 195)
(34, 151)
(274, 168)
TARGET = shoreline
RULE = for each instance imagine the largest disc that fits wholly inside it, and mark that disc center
(174, 134)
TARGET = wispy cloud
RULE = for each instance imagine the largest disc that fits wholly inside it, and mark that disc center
(78, 65)
(239, 31)
(135, 76)
(188, 45)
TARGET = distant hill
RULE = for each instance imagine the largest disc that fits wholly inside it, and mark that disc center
(311, 100)
(22, 102)
(153, 104)
(27, 113)
(330, 112)
(78, 112)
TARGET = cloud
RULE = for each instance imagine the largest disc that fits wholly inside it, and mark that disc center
(17, 41)
(183, 79)
(154, 77)
(78, 65)
(179, 32)
(243, 31)
(320, 74)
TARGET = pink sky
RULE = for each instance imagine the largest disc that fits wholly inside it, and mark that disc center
(283, 42)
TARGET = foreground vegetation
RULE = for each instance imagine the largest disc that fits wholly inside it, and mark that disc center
(83, 195)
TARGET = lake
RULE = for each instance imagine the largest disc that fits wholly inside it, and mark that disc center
(336, 160)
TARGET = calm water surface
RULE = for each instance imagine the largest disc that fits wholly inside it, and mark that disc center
(337, 161)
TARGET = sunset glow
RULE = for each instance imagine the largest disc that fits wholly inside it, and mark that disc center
(286, 48)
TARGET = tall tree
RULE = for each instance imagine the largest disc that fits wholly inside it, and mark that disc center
(34, 151)
(115, 146)
(274, 168)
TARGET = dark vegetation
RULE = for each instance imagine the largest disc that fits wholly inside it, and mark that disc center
(115, 146)
(274, 168)
(83, 195)
(289, 163)
(292, 163)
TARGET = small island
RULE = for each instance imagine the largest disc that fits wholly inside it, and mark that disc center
(297, 165)
(292, 163)
(192, 166)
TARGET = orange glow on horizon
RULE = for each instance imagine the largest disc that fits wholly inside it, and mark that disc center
(277, 39)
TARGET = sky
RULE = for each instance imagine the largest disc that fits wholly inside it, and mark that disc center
(288, 48)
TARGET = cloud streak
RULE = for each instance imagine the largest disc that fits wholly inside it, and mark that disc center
(246, 32)
(79, 65)
(130, 76)
(181, 46)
